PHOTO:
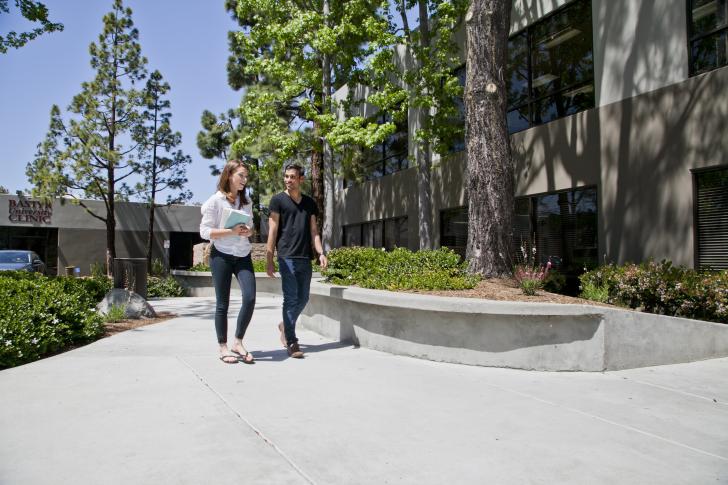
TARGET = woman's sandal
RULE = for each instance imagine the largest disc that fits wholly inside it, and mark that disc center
(229, 356)
(246, 358)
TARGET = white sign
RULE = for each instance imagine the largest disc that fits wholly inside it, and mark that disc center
(166, 244)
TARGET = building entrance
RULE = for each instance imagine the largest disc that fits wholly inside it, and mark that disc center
(42, 240)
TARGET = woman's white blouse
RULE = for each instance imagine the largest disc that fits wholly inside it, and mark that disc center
(212, 219)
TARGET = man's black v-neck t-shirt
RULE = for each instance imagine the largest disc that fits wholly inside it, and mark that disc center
(294, 230)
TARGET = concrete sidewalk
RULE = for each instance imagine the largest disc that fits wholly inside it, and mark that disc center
(156, 406)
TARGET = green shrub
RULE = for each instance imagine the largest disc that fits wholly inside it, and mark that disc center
(554, 282)
(530, 286)
(400, 269)
(164, 287)
(95, 287)
(115, 314)
(41, 315)
(590, 291)
(157, 267)
(98, 270)
(662, 288)
(258, 266)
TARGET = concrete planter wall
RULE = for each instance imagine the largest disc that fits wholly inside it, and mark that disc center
(535, 336)
(199, 283)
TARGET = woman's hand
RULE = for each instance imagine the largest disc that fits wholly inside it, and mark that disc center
(242, 230)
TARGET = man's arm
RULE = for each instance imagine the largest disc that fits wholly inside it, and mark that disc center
(270, 246)
(317, 243)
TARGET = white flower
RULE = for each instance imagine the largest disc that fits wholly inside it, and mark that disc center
(8, 343)
(34, 341)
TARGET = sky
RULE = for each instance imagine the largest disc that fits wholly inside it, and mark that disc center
(186, 40)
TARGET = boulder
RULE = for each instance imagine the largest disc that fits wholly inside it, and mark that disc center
(201, 254)
(134, 305)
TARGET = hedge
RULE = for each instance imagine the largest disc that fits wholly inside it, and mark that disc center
(163, 287)
(259, 266)
(41, 315)
(661, 288)
(400, 269)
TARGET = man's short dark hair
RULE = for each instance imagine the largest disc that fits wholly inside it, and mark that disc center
(296, 167)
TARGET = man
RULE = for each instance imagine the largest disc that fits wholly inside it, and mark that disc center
(291, 229)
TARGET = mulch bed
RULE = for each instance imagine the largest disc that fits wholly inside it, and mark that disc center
(503, 289)
(112, 328)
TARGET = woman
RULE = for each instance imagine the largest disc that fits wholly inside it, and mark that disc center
(230, 255)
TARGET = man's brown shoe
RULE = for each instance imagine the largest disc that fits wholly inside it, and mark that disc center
(295, 351)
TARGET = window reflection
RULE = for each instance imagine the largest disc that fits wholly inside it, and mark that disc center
(708, 35)
(387, 157)
(458, 143)
(564, 227)
(554, 77)
(383, 233)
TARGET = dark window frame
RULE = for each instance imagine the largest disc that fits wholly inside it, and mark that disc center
(696, 172)
(693, 38)
(531, 100)
(443, 214)
(360, 226)
(382, 164)
(533, 214)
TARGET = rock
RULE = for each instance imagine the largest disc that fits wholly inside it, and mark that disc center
(134, 305)
(201, 254)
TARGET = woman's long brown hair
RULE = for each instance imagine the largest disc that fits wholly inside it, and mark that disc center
(223, 184)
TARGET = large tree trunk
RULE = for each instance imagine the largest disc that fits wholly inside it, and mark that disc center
(422, 149)
(317, 174)
(153, 195)
(110, 213)
(490, 171)
(150, 236)
(327, 216)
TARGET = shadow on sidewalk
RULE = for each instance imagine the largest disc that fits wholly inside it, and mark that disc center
(281, 354)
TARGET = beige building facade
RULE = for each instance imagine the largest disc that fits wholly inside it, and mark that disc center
(64, 234)
(618, 112)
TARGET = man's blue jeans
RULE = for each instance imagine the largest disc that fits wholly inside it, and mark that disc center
(296, 285)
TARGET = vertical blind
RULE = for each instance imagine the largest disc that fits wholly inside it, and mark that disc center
(712, 223)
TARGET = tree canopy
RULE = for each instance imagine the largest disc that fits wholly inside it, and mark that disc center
(32, 11)
(83, 156)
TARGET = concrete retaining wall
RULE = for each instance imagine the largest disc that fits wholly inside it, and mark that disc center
(535, 336)
(199, 283)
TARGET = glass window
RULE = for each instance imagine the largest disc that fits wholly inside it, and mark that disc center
(458, 144)
(712, 219)
(551, 68)
(352, 235)
(565, 226)
(372, 234)
(454, 229)
(387, 157)
(383, 233)
(708, 27)
(395, 233)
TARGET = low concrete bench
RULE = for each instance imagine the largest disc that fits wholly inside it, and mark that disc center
(537, 336)
(199, 283)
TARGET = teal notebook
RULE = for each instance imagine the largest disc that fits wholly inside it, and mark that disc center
(234, 217)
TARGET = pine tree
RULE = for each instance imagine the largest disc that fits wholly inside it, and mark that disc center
(93, 162)
(162, 166)
(490, 171)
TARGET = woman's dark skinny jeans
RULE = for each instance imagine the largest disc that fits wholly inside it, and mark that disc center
(223, 267)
